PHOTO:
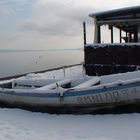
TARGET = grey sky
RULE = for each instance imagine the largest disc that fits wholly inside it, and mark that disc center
(45, 24)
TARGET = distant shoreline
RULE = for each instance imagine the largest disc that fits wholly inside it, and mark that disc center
(62, 49)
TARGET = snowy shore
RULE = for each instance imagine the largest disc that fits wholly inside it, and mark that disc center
(24, 125)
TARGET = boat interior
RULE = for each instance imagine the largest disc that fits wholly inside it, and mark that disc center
(52, 83)
(74, 83)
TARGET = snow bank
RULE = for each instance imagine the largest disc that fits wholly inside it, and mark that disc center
(70, 72)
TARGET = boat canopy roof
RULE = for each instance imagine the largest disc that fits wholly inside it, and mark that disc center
(126, 19)
(117, 12)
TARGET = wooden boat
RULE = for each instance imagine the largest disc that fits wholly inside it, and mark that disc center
(106, 94)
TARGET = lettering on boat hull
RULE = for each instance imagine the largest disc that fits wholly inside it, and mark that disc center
(108, 97)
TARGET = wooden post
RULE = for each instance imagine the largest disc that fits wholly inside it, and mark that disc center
(126, 34)
(98, 34)
(84, 32)
(135, 33)
(111, 34)
(126, 39)
(111, 28)
(129, 37)
(120, 35)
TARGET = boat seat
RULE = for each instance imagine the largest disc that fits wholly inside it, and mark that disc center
(56, 84)
(92, 82)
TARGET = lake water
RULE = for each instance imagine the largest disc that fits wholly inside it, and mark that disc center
(20, 62)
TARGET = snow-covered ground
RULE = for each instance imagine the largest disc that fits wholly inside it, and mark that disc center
(16, 124)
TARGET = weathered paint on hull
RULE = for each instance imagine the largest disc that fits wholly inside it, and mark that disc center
(127, 107)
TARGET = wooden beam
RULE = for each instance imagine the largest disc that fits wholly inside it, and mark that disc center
(118, 22)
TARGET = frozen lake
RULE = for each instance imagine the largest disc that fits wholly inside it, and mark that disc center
(20, 62)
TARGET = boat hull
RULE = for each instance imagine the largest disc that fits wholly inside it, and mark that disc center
(120, 98)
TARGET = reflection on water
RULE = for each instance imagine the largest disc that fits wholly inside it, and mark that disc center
(19, 62)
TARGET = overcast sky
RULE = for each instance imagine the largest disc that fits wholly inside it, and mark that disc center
(45, 24)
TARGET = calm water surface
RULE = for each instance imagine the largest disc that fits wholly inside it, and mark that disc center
(20, 62)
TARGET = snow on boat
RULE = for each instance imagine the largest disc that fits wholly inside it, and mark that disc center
(113, 93)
